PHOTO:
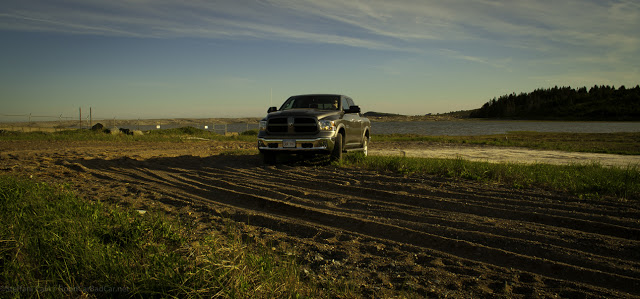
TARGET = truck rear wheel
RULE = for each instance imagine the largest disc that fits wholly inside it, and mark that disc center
(365, 146)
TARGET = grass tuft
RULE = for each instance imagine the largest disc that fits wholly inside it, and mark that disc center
(582, 180)
(184, 134)
(53, 244)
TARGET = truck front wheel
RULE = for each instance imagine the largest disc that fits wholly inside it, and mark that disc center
(336, 154)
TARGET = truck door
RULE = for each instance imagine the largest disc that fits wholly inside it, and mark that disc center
(354, 125)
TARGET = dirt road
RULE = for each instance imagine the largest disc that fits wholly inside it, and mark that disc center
(500, 154)
(385, 234)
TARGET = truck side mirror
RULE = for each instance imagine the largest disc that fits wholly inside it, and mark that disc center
(272, 109)
(353, 109)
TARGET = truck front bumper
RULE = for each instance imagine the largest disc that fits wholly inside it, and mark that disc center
(321, 144)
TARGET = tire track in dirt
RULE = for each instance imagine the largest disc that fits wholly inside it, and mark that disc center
(474, 201)
(578, 255)
(436, 222)
(431, 223)
(395, 209)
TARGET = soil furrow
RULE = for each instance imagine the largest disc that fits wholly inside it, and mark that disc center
(460, 248)
(437, 223)
(591, 219)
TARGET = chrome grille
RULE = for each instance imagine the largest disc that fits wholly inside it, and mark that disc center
(305, 125)
(292, 125)
(277, 125)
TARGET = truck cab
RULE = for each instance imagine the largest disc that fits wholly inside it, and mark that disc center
(328, 124)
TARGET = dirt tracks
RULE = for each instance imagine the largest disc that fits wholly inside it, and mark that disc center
(383, 234)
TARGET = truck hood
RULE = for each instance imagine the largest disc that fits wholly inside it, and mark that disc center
(320, 114)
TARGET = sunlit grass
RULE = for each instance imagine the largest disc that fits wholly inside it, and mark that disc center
(55, 245)
(582, 180)
(184, 134)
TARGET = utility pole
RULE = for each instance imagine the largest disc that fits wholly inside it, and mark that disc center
(80, 117)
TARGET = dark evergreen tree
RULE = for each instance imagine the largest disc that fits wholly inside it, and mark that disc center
(565, 103)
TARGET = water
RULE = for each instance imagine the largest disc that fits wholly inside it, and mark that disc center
(489, 127)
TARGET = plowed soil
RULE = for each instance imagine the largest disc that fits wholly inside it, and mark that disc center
(384, 234)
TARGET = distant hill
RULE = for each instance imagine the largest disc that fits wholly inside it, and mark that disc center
(387, 117)
(566, 103)
(379, 114)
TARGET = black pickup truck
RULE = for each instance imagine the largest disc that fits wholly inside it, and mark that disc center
(314, 124)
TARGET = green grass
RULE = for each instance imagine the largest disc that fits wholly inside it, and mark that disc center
(184, 134)
(582, 180)
(54, 244)
(612, 143)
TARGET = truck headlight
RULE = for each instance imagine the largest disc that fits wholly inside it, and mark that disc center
(262, 126)
(327, 125)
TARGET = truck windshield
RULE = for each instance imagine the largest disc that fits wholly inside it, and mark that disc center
(321, 102)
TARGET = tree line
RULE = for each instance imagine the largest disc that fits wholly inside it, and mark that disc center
(565, 103)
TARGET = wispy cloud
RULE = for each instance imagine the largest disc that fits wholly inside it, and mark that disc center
(35, 22)
(591, 26)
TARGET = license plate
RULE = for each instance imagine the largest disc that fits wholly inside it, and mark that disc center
(289, 143)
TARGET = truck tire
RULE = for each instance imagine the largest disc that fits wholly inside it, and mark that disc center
(365, 146)
(336, 154)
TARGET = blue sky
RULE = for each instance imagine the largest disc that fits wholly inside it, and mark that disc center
(185, 58)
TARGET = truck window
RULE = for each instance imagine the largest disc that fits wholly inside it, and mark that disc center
(345, 104)
(311, 102)
(350, 101)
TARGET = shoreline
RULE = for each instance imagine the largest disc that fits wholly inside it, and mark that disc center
(70, 124)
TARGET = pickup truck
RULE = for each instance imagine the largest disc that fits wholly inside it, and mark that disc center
(328, 124)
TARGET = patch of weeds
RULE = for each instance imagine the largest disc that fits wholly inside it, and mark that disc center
(239, 152)
(253, 133)
(588, 180)
(53, 244)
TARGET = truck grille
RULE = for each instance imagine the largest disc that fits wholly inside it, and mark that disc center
(292, 125)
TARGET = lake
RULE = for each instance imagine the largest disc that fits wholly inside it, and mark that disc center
(489, 127)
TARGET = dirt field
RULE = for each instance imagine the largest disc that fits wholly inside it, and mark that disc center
(383, 233)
